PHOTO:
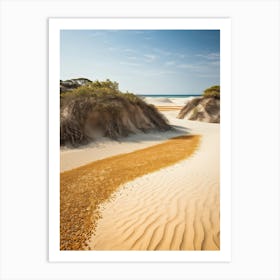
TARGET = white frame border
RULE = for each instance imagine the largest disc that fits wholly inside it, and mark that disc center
(57, 24)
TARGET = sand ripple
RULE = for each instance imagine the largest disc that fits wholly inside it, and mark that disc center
(175, 208)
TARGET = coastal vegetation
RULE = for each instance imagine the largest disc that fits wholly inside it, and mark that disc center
(69, 85)
(205, 108)
(213, 91)
(99, 109)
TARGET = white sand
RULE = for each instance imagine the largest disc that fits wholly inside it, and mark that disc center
(164, 101)
(71, 158)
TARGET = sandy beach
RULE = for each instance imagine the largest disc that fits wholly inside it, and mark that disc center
(170, 201)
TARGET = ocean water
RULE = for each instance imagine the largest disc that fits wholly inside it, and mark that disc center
(170, 95)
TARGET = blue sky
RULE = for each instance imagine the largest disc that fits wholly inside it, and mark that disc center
(144, 61)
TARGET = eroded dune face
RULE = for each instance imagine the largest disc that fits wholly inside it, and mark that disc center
(206, 109)
(84, 119)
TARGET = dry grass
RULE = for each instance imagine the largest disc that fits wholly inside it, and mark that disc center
(84, 188)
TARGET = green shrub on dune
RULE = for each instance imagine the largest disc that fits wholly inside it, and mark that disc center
(100, 109)
(213, 91)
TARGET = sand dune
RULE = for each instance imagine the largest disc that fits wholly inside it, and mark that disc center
(168, 101)
(168, 104)
(176, 208)
(158, 100)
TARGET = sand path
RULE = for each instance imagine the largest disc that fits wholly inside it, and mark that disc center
(176, 208)
(83, 189)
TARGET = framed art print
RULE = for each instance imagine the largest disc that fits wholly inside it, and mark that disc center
(139, 139)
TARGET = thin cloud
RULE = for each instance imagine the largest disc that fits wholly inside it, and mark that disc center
(142, 31)
(130, 50)
(158, 73)
(214, 63)
(139, 31)
(132, 57)
(209, 56)
(111, 49)
(94, 34)
(187, 66)
(150, 57)
(181, 55)
(129, 63)
(170, 63)
(208, 75)
(201, 67)
(162, 52)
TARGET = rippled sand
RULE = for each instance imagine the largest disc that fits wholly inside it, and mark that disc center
(176, 208)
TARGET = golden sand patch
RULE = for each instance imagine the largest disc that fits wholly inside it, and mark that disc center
(84, 188)
(169, 108)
